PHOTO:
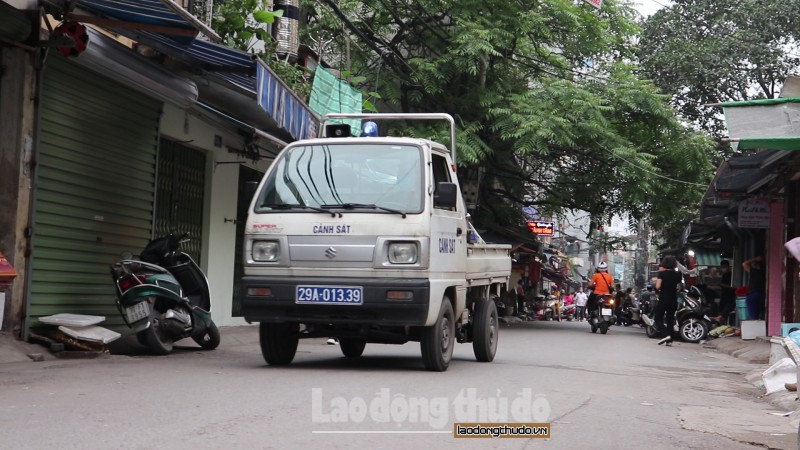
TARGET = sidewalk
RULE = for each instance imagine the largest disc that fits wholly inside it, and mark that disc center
(762, 352)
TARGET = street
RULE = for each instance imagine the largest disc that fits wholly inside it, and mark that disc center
(618, 390)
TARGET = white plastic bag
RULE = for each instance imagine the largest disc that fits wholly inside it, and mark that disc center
(778, 374)
(794, 247)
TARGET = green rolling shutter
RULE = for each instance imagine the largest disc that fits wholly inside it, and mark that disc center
(95, 185)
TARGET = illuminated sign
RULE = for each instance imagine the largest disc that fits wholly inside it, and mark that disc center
(542, 228)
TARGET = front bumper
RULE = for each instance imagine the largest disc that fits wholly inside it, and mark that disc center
(375, 310)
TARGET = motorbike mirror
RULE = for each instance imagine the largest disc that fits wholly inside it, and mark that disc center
(126, 255)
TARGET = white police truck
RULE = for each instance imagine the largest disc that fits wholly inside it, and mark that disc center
(367, 240)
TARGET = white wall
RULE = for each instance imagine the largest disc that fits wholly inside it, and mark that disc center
(222, 186)
(23, 4)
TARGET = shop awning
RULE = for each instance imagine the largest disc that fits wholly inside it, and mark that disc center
(170, 29)
(746, 174)
(245, 73)
(166, 17)
(775, 143)
(705, 257)
(109, 57)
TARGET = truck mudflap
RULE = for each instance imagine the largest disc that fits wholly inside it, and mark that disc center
(373, 301)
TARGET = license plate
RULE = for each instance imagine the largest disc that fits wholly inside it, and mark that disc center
(339, 295)
(137, 312)
(605, 312)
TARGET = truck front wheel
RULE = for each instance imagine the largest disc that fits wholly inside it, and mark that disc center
(484, 331)
(278, 342)
(437, 340)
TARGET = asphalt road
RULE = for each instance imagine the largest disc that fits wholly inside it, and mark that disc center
(617, 391)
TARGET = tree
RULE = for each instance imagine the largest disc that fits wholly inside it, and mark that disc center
(550, 111)
(707, 51)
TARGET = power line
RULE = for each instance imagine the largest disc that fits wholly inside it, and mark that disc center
(647, 170)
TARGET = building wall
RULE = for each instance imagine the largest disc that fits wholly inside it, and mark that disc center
(222, 178)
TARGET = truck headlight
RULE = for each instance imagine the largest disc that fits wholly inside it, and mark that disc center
(403, 252)
(266, 251)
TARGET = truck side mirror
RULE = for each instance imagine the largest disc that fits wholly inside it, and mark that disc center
(445, 195)
(250, 188)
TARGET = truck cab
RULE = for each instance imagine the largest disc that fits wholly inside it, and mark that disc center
(367, 239)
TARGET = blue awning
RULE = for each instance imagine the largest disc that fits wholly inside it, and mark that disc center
(165, 17)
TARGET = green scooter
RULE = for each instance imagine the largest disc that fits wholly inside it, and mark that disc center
(164, 296)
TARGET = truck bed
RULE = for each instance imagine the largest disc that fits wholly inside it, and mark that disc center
(488, 263)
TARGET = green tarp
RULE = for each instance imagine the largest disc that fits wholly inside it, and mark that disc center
(329, 94)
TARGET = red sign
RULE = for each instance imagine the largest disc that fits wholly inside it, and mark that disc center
(595, 3)
(542, 228)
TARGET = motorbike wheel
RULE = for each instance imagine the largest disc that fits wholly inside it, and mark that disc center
(278, 342)
(548, 315)
(594, 327)
(604, 327)
(211, 339)
(436, 342)
(157, 339)
(693, 330)
(484, 331)
(352, 348)
(651, 331)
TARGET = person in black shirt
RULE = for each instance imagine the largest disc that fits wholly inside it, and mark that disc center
(756, 289)
(727, 299)
(667, 288)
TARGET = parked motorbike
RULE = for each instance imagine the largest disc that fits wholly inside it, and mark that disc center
(603, 315)
(631, 315)
(693, 323)
(568, 312)
(164, 296)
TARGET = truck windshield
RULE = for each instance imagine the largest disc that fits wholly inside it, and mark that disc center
(363, 176)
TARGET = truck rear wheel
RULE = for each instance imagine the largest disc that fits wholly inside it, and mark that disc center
(484, 331)
(278, 342)
(437, 340)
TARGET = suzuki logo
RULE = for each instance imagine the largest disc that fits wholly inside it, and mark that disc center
(330, 252)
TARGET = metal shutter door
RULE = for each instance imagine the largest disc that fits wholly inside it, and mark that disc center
(94, 189)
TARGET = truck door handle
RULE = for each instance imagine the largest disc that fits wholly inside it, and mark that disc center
(459, 231)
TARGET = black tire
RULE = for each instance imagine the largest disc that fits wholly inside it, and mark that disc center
(484, 331)
(594, 327)
(652, 333)
(352, 348)
(548, 315)
(604, 327)
(210, 340)
(156, 339)
(278, 342)
(693, 331)
(437, 340)
(140, 336)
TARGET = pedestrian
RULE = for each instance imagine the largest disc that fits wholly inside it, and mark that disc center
(580, 304)
(727, 298)
(667, 288)
(619, 300)
(756, 287)
(520, 291)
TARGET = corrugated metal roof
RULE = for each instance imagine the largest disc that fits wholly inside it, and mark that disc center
(152, 12)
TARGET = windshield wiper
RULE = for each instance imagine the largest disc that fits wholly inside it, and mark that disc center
(298, 206)
(367, 206)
